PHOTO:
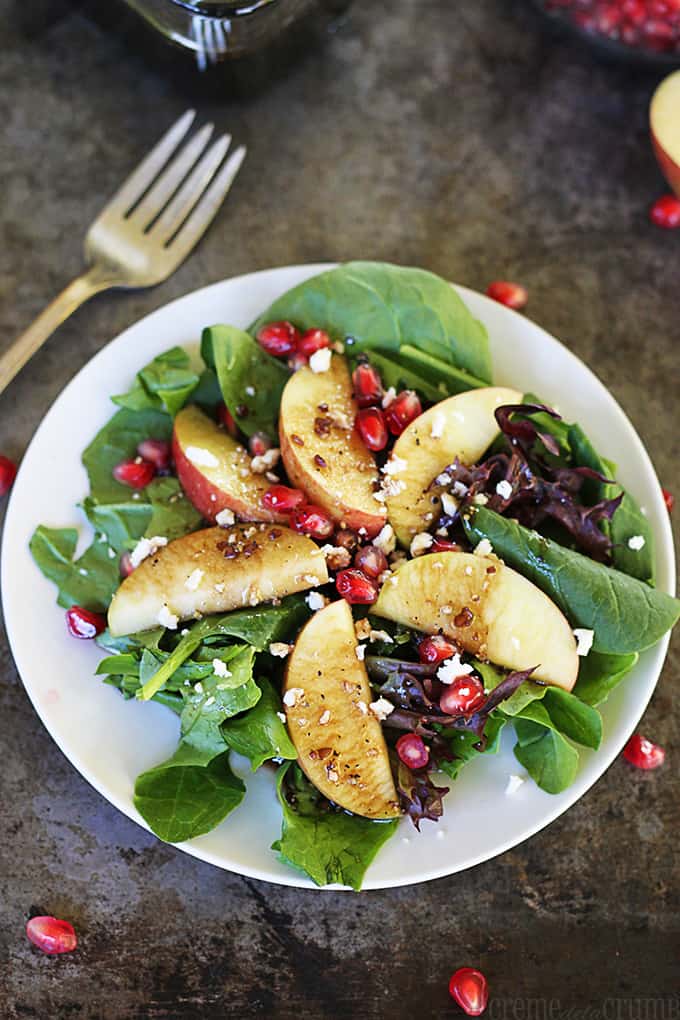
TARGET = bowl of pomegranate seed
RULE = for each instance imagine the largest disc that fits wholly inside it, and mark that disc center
(644, 32)
(338, 539)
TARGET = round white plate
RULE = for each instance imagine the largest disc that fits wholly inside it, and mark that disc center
(110, 741)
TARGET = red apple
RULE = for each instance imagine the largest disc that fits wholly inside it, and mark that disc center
(664, 118)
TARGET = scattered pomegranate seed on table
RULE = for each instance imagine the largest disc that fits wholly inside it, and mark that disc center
(436, 649)
(312, 341)
(666, 212)
(157, 452)
(135, 473)
(226, 418)
(371, 426)
(355, 587)
(52, 935)
(278, 338)
(642, 753)
(463, 696)
(641, 24)
(83, 623)
(412, 751)
(669, 500)
(368, 387)
(512, 295)
(311, 520)
(8, 472)
(404, 409)
(282, 498)
(371, 560)
(469, 988)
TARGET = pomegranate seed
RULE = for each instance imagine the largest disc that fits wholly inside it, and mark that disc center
(634, 11)
(313, 340)
(136, 474)
(125, 565)
(666, 212)
(346, 539)
(259, 443)
(371, 560)
(296, 361)
(83, 623)
(311, 520)
(642, 753)
(8, 472)
(441, 545)
(278, 338)
(52, 935)
(368, 387)
(282, 498)
(355, 587)
(658, 34)
(370, 423)
(412, 751)
(157, 452)
(464, 696)
(669, 500)
(226, 418)
(468, 987)
(512, 295)
(436, 649)
(402, 411)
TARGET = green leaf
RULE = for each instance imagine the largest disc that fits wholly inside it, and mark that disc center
(383, 306)
(549, 759)
(566, 714)
(439, 372)
(172, 515)
(89, 581)
(166, 383)
(599, 674)
(396, 375)
(208, 393)
(118, 441)
(241, 366)
(524, 695)
(328, 845)
(217, 698)
(625, 614)
(463, 744)
(259, 734)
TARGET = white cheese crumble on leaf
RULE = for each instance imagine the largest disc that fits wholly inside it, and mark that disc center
(315, 600)
(449, 504)
(636, 542)
(481, 499)
(146, 547)
(504, 489)
(380, 635)
(584, 640)
(320, 360)
(281, 716)
(360, 652)
(220, 668)
(280, 649)
(203, 458)
(452, 668)
(225, 518)
(420, 543)
(483, 548)
(381, 708)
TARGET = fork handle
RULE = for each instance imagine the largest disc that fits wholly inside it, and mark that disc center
(80, 290)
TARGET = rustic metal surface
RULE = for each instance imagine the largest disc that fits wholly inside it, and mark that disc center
(450, 135)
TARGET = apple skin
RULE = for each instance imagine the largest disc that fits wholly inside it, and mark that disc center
(490, 610)
(664, 122)
(350, 745)
(344, 486)
(230, 485)
(270, 561)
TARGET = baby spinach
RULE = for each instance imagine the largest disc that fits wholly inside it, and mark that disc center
(464, 745)
(259, 734)
(166, 383)
(600, 673)
(547, 756)
(89, 581)
(117, 441)
(454, 380)
(625, 614)
(383, 306)
(524, 695)
(217, 698)
(566, 714)
(394, 374)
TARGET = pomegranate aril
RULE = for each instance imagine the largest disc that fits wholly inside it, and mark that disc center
(282, 499)
(469, 988)
(346, 539)
(226, 418)
(8, 472)
(413, 751)
(52, 935)
(404, 409)
(278, 338)
(512, 295)
(642, 753)
(441, 545)
(436, 649)
(135, 473)
(313, 340)
(156, 452)
(666, 212)
(368, 387)
(311, 520)
(125, 565)
(464, 696)
(669, 500)
(355, 587)
(83, 623)
(259, 443)
(371, 560)
(296, 361)
(370, 424)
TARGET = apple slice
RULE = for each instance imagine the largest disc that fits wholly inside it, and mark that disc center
(490, 610)
(323, 454)
(462, 426)
(664, 120)
(214, 470)
(213, 571)
(339, 741)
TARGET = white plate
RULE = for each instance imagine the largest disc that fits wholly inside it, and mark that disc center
(110, 741)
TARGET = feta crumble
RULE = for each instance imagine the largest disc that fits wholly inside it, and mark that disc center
(281, 716)
(362, 629)
(220, 668)
(265, 461)
(452, 668)
(146, 547)
(504, 489)
(363, 707)
(636, 542)
(315, 600)
(324, 718)
(202, 458)
(449, 504)
(167, 619)
(386, 540)
(381, 708)
(293, 695)
(483, 548)
(438, 423)
(320, 360)
(380, 635)
(481, 499)
(420, 543)
(250, 391)
(280, 649)
(395, 465)
(225, 518)
(584, 640)
(194, 579)
(360, 652)
(514, 783)
(388, 396)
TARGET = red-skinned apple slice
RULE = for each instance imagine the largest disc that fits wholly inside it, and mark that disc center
(664, 119)
(214, 571)
(338, 739)
(322, 452)
(214, 470)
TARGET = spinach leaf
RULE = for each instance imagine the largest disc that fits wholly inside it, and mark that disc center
(549, 759)
(250, 379)
(117, 441)
(463, 744)
(625, 614)
(599, 674)
(166, 383)
(208, 393)
(172, 515)
(454, 380)
(328, 845)
(216, 698)
(382, 306)
(89, 581)
(524, 695)
(394, 374)
(566, 714)
(259, 734)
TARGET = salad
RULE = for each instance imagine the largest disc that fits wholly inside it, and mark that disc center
(338, 550)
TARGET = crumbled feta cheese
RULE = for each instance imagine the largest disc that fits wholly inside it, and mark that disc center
(210, 701)
(636, 542)
(504, 489)
(219, 587)
(420, 543)
(324, 718)
(460, 490)
(280, 649)
(386, 540)
(388, 396)
(271, 477)
(362, 629)
(83, 571)
(446, 610)
(310, 579)
(250, 391)
(514, 783)
(363, 707)
(584, 640)
(337, 557)
(198, 687)
(111, 553)
(225, 518)
(452, 668)
(167, 619)
(330, 771)
(202, 458)
(146, 547)
(483, 548)
(468, 571)
(449, 504)
(220, 668)
(480, 499)
(381, 708)
(438, 423)
(194, 579)
(281, 716)
(265, 461)
(395, 465)
(315, 600)
(293, 695)
(380, 635)
(360, 652)
(320, 360)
